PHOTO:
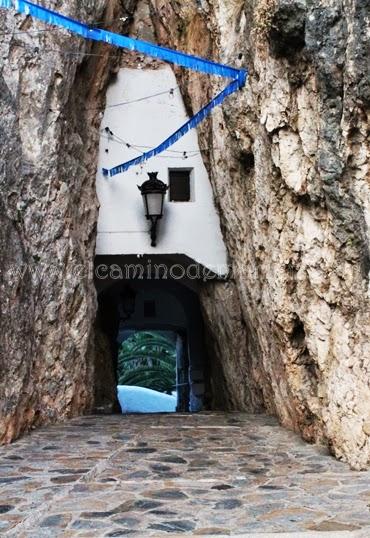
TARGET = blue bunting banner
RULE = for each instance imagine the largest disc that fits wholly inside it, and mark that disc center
(189, 61)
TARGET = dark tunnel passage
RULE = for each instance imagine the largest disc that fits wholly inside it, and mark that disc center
(158, 302)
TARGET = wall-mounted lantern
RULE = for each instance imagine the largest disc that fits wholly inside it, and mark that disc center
(153, 192)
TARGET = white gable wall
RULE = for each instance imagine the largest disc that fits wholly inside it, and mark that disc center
(190, 228)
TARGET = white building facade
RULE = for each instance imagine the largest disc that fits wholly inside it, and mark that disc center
(190, 227)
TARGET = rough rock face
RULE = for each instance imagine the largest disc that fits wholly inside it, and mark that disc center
(287, 156)
(291, 181)
(49, 138)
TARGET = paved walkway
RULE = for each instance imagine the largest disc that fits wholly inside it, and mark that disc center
(166, 475)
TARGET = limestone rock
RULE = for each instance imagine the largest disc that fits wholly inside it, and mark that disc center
(288, 160)
(49, 128)
(290, 332)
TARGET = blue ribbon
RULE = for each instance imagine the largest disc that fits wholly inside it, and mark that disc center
(189, 61)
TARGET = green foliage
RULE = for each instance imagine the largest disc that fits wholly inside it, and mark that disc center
(148, 359)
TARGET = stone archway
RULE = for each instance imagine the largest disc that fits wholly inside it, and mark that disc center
(156, 304)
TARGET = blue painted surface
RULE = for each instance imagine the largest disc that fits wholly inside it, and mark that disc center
(238, 76)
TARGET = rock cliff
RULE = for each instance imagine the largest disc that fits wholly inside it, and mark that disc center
(52, 85)
(290, 174)
(288, 160)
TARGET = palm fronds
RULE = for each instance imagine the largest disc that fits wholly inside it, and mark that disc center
(148, 359)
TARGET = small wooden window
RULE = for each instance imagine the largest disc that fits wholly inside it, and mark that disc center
(179, 185)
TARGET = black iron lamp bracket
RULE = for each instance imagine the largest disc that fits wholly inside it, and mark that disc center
(153, 231)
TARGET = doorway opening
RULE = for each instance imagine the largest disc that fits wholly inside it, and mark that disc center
(152, 372)
(150, 348)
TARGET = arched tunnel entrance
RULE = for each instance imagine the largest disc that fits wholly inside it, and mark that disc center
(152, 297)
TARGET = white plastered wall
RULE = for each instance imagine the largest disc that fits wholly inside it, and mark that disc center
(190, 228)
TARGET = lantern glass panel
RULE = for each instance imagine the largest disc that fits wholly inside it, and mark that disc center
(154, 202)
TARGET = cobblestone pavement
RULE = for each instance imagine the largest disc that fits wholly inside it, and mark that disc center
(166, 475)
